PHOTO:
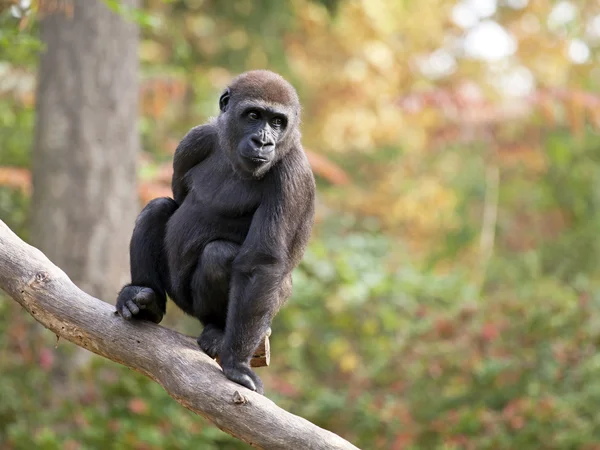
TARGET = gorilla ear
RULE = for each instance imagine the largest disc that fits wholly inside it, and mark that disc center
(224, 100)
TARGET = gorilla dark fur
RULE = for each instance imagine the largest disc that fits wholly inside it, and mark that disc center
(224, 247)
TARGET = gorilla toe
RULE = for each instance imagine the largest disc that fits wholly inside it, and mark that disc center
(243, 375)
(210, 340)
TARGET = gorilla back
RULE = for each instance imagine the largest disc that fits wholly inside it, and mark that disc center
(241, 215)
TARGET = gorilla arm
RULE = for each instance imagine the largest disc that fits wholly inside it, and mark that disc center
(277, 238)
(194, 148)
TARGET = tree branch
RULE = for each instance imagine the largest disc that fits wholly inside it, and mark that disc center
(171, 359)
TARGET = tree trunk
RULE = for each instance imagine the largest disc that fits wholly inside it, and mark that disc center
(86, 142)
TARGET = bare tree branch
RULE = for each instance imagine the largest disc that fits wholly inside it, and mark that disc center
(171, 359)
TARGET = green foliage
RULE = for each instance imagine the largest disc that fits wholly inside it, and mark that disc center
(402, 333)
(16, 129)
(137, 15)
(19, 46)
(13, 210)
(380, 356)
(404, 356)
(101, 406)
(19, 49)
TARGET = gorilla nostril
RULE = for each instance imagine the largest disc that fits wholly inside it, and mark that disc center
(257, 141)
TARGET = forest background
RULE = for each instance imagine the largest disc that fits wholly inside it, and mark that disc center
(450, 295)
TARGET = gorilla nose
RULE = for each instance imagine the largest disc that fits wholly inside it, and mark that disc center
(257, 141)
(265, 145)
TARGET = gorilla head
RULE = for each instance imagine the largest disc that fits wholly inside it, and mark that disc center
(260, 115)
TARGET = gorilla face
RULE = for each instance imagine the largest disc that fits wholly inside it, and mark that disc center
(263, 128)
(258, 132)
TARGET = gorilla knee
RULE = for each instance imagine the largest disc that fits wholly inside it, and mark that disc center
(217, 258)
(157, 210)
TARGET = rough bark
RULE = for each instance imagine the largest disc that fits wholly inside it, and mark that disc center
(169, 358)
(86, 142)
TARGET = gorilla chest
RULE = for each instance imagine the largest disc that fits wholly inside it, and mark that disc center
(220, 198)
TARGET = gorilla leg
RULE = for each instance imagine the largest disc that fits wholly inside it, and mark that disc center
(146, 296)
(210, 291)
(211, 339)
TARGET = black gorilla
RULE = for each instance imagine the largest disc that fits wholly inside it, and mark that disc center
(224, 248)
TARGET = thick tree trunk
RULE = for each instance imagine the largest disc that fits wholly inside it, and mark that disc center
(86, 142)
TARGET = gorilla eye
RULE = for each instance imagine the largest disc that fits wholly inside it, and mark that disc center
(277, 122)
(253, 115)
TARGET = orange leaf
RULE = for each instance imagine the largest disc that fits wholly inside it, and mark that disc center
(149, 191)
(489, 332)
(137, 406)
(16, 177)
(328, 170)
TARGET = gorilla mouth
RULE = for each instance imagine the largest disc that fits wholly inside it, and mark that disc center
(257, 159)
(252, 163)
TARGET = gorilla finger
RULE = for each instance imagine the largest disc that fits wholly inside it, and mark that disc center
(132, 307)
(125, 313)
(144, 296)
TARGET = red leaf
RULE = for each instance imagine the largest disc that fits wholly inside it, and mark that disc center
(46, 359)
(137, 406)
(327, 169)
(489, 332)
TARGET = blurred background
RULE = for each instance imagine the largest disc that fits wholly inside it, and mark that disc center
(450, 295)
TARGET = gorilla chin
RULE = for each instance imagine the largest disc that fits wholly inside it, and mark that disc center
(253, 165)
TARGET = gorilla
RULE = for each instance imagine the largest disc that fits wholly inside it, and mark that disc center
(224, 247)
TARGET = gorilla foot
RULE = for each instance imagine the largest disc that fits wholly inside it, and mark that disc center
(140, 302)
(210, 340)
(243, 374)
